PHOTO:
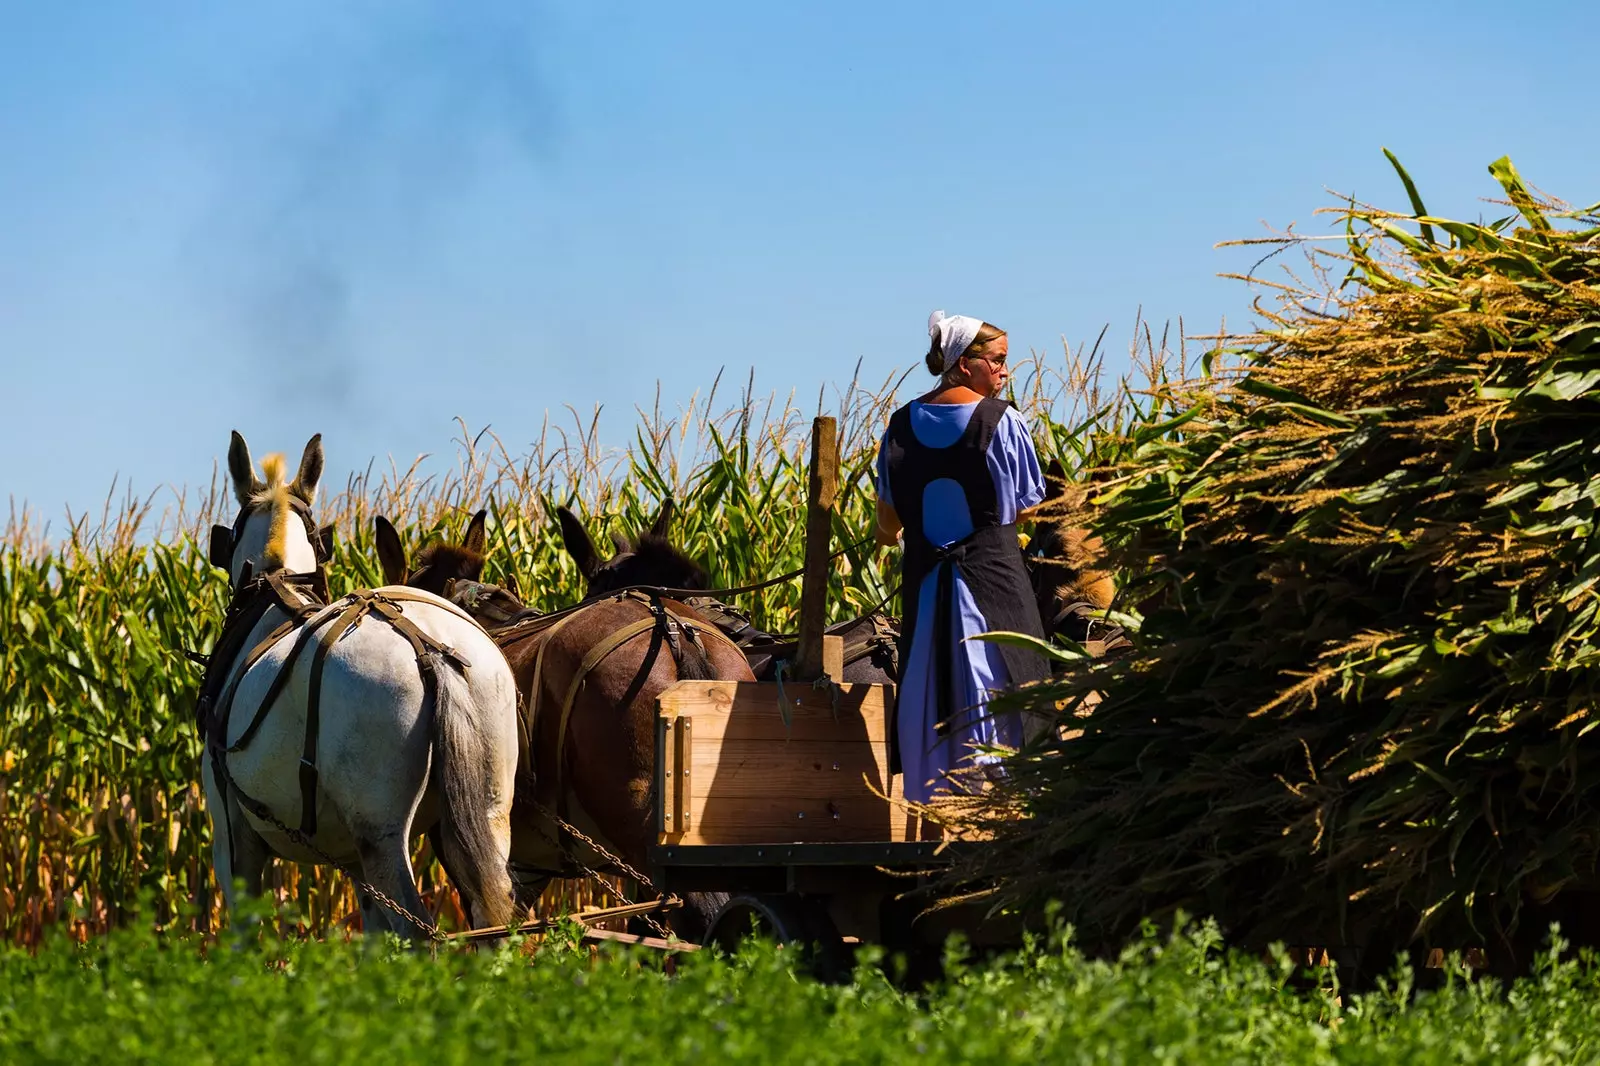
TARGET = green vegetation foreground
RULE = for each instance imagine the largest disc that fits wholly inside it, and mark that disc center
(131, 997)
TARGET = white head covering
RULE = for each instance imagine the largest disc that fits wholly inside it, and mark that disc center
(955, 333)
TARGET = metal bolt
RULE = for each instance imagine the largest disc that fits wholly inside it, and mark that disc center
(802, 814)
(835, 766)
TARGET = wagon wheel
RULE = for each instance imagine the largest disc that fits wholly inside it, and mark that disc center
(784, 919)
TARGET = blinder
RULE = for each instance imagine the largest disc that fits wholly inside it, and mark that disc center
(222, 547)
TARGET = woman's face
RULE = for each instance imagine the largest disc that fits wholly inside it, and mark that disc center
(987, 373)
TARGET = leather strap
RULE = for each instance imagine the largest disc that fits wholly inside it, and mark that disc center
(308, 753)
(594, 657)
(280, 680)
(328, 626)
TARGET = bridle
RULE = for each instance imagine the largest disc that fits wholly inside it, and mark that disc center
(225, 539)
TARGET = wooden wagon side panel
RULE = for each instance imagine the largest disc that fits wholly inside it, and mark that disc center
(734, 766)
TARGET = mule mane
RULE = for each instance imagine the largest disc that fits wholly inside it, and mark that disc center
(274, 496)
(1068, 557)
(456, 558)
(438, 563)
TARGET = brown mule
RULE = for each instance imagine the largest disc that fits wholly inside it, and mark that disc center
(589, 680)
(451, 571)
(871, 653)
(1063, 561)
(437, 564)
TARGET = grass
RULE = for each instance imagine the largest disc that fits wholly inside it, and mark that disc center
(140, 997)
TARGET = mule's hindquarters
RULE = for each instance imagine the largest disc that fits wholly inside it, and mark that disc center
(393, 753)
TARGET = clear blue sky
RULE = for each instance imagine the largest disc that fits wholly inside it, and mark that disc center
(368, 218)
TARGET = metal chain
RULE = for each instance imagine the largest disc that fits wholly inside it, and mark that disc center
(616, 861)
(428, 927)
(297, 837)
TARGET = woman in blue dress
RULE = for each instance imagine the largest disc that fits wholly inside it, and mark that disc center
(956, 469)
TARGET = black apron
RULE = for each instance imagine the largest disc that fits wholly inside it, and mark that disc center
(989, 558)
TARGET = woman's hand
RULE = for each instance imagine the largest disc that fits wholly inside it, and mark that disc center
(888, 531)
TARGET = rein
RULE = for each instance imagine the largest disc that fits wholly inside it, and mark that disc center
(538, 624)
(737, 590)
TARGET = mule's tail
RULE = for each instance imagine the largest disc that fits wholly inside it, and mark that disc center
(464, 763)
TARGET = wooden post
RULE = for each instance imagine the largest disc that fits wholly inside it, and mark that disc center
(809, 663)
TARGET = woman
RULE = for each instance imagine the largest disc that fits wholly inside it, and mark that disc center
(956, 469)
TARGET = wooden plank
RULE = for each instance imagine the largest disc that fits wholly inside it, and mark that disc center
(749, 710)
(852, 818)
(751, 777)
(539, 925)
(833, 658)
(668, 795)
(813, 768)
(823, 487)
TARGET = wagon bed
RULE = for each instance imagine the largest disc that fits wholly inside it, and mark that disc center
(780, 796)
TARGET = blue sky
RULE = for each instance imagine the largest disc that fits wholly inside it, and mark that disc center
(369, 218)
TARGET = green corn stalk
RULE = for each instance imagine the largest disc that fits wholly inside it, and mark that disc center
(99, 758)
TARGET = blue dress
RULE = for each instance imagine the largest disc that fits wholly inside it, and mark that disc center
(979, 668)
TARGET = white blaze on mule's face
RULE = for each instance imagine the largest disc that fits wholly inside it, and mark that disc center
(274, 536)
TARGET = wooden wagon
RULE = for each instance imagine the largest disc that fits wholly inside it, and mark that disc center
(780, 795)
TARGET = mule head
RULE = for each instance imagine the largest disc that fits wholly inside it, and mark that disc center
(274, 529)
(452, 572)
(648, 559)
(438, 564)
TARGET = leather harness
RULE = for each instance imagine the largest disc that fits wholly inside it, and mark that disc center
(762, 649)
(665, 626)
(325, 624)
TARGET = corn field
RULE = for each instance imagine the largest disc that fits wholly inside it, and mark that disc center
(99, 757)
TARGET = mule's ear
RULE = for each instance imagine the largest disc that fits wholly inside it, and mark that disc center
(579, 546)
(510, 584)
(619, 542)
(242, 470)
(663, 521)
(325, 542)
(305, 481)
(391, 552)
(477, 539)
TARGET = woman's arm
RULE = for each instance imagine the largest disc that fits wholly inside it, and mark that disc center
(888, 525)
